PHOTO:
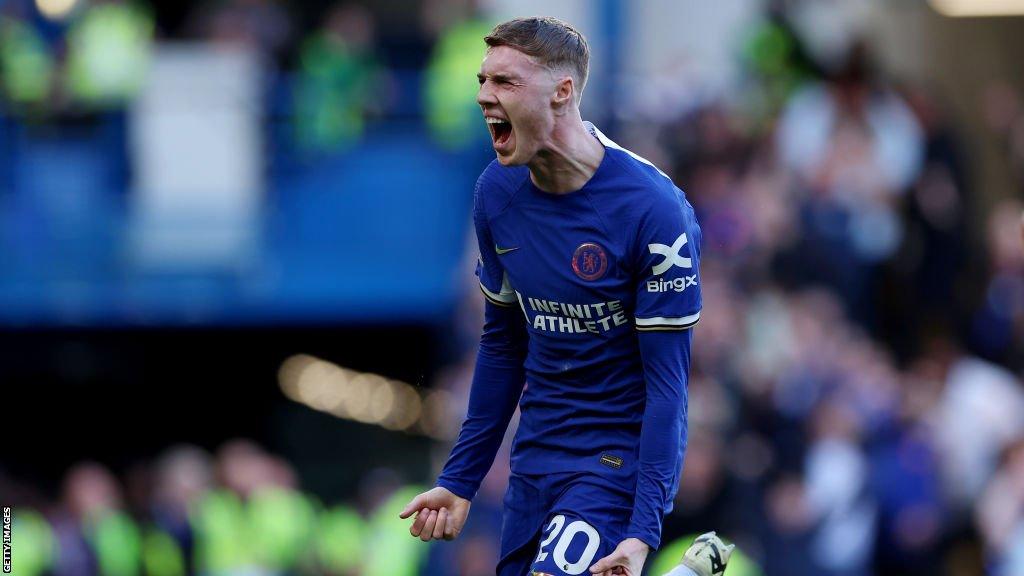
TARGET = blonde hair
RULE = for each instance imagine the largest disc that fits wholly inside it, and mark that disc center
(554, 43)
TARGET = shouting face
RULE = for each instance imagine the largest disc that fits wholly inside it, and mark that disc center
(518, 97)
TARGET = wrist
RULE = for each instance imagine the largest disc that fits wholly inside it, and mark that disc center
(646, 539)
(638, 545)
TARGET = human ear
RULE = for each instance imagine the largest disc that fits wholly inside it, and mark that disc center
(564, 89)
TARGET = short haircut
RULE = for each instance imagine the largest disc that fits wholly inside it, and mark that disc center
(554, 43)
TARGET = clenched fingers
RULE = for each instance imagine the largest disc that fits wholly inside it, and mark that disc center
(442, 521)
(419, 522)
(451, 531)
(428, 527)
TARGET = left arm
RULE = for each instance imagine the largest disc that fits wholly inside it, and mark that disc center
(668, 305)
(666, 360)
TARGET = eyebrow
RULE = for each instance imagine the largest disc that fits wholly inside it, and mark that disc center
(497, 77)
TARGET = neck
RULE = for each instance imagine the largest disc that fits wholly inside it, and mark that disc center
(569, 158)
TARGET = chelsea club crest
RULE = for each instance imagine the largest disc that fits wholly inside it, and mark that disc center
(589, 262)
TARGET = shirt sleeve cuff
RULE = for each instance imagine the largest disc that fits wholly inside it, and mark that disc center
(460, 489)
(645, 536)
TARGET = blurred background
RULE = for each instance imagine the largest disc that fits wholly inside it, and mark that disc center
(238, 312)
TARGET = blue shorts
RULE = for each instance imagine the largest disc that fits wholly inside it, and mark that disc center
(561, 524)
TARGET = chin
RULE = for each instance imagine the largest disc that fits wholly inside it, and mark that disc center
(510, 159)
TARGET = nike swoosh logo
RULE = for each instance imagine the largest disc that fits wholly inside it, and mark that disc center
(501, 251)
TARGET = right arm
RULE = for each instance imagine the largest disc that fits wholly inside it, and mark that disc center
(498, 382)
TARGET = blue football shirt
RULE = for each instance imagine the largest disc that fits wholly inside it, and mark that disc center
(575, 283)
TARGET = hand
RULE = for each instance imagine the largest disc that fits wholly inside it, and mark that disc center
(439, 514)
(627, 558)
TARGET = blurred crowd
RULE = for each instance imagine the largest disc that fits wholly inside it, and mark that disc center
(239, 511)
(71, 59)
(856, 398)
(329, 68)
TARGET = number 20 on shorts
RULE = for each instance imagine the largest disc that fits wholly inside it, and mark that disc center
(554, 531)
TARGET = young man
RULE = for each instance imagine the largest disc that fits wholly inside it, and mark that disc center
(589, 262)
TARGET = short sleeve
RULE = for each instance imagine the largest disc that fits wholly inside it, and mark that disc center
(668, 289)
(493, 279)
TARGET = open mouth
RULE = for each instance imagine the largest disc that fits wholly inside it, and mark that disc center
(501, 130)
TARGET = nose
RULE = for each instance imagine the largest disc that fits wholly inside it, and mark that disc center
(485, 95)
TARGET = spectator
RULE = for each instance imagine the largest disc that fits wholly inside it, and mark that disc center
(262, 26)
(94, 534)
(450, 82)
(998, 323)
(1000, 514)
(27, 68)
(340, 80)
(184, 475)
(108, 52)
(856, 148)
